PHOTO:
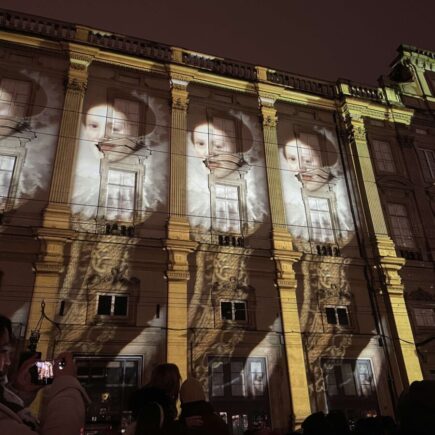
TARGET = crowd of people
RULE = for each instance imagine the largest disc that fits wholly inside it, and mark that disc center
(154, 406)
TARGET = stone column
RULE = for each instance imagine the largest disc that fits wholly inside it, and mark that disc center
(55, 231)
(386, 260)
(285, 258)
(178, 242)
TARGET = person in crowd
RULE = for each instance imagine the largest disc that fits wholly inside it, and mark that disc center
(317, 424)
(63, 411)
(416, 409)
(338, 422)
(154, 407)
(197, 415)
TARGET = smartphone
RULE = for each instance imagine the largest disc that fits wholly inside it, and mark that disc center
(41, 373)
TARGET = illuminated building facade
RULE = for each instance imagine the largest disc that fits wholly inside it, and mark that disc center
(271, 234)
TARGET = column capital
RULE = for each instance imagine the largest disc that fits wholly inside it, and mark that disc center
(179, 93)
(269, 116)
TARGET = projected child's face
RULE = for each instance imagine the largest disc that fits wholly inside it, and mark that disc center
(218, 147)
(305, 160)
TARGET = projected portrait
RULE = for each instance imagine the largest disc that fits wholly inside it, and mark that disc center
(315, 196)
(27, 136)
(115, 159)
(222, 166)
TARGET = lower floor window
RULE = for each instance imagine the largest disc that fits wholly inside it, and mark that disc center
(349, 385)
(109, 382)
(238, 391)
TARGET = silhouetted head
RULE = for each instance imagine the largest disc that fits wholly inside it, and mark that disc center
(167, 378)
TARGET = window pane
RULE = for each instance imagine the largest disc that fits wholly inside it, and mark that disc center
(7, 164)
(321, 220)
(348, 381)
(237, 379)
(364, 374)
(227, 208)
(226, 311)
(217, 378)
(400, 225)
(330, 316)
(120, 195)
(104, 305)
(342, 316)
(240, 311)
(120, 308)
(383, 156)
(330, 379)
(257, 378)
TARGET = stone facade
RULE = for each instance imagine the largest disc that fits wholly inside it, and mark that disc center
(272, 235)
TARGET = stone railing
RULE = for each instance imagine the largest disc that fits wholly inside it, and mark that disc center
(224, 67)
(30, 24)
(134, 46)
(313, 86)
(368, 92)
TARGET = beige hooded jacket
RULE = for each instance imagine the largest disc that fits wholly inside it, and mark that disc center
(63, 412)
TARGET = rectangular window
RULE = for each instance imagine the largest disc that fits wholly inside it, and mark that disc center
(337, 316)
(7, 164)
(424, 317)
(400, 226)
(112, 305)
(427, 158)
(109, 382)
(121, 189)
(348, 378)
(321, 222)
(125, 118)
(238, 377)
(383, 156)
(227, 209)
(14, 97)
(234, 311)
(310, 156)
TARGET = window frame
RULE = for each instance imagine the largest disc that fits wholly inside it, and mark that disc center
(112, 305)
(86, 358)
(233, 319)
(19, 154)
(349, 324)
(247, 383)
(416, 316)
(394, 236)
(138, 168)
(428, 168)
(240, 184)
(378, 163)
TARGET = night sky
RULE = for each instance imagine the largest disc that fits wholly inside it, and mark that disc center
(323, 39)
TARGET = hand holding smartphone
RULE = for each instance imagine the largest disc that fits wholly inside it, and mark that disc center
(43, 372)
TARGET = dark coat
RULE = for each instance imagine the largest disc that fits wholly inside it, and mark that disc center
(212, 423)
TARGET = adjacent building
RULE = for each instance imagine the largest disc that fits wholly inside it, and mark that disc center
(271, 234)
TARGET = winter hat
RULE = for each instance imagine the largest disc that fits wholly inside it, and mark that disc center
(191, 391)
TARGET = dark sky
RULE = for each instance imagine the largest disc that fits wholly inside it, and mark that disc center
(320, 38)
